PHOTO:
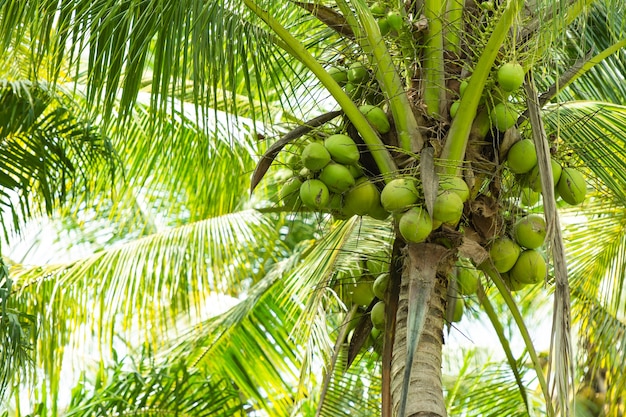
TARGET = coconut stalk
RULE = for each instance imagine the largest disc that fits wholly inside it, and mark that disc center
(488, 268)
(434, 91)
(454, 26)
(458, 135)
(381, 156)
(373, 44)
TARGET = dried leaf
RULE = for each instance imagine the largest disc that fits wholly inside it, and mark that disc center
(268, 157)
(561, 353)
(329, 17)
(361, 333)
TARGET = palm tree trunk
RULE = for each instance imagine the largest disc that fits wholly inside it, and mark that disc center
(425, 396)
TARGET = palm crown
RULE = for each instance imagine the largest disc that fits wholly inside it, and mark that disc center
(139, 148)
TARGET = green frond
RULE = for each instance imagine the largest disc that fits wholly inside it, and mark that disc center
(490, 389)
(148, 389)
(212, 52)
(353, 391)
(593, 131)
(143, 284)
(17, 334)
(266, 329)
(46, 152)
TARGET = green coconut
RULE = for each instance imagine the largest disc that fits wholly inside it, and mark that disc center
(510, 76)
(293, 161)
(361, 198)
(463, 87)
(355, 171)
(335, 202)
(342, 149)
(448, 208)
(383, 26)
(512, 284)
(572, 186)
(315, 156)
(454, 108)
(503, 116)
(361, 293)
(399, 194)
(314, 194)
(395, 20)
(377, 117)
(290, 192)
(522, 157)
(378, 212)
(457, 316)
(467, 279)
(415, 225)
(340, 75)
(378, 315)
(530, 231)
(504, 253)
(378, 9)
(380, 285)
(336, 177)
(357, 73)
(534, 179)
(353, 90)
(530, 267)
(529, 197)
(455, 184)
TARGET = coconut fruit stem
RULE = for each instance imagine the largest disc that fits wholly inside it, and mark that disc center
(373, 43)
(458, 135)
(381, 156)
(495, 277)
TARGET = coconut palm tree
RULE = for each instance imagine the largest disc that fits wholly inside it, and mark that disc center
(178, 227)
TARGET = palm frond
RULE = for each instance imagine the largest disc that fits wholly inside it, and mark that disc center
(490, 389)
(211, 51)
(17, 334)
(283, 324)
(46, 152)
(147, 389)
(593, 131)
(144, 284)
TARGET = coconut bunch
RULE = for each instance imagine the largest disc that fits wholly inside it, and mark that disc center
(329, 178)
(329, 175)
(364, 286)
(358, 82)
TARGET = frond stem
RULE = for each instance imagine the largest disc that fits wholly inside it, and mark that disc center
(376, 147)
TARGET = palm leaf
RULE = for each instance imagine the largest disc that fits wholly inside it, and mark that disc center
(144, 283)
(489, 390)
(47, 151)
(148, 389)
(218, 47)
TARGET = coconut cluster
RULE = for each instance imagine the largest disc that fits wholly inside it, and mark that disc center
(520, 257)
(569, 183)
(401, 197)
(495, 108)
(329, 178)
(389, 21)
(357, 82)
(364, 284)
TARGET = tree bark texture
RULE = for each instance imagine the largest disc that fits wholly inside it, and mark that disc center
(425, 396)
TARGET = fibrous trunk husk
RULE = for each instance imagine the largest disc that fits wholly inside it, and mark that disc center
(425, 398)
